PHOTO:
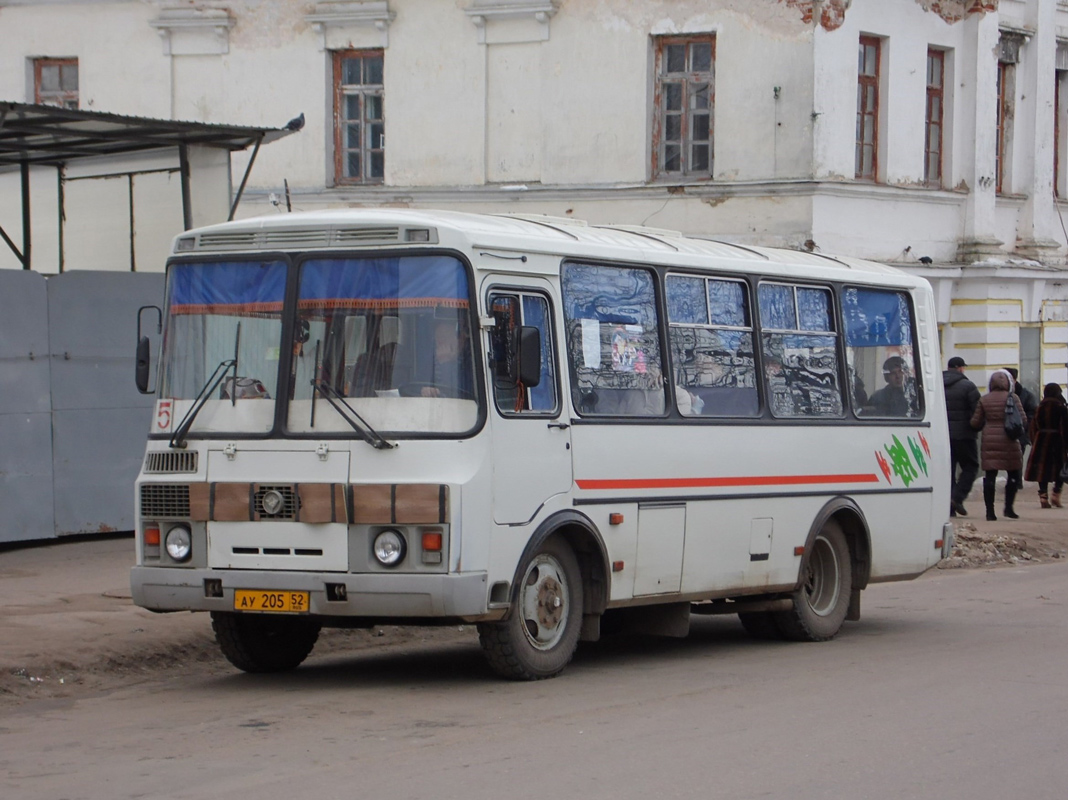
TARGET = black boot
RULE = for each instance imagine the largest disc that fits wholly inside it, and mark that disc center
(988, 498)
(1010, 496)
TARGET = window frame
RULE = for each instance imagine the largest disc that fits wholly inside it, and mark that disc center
(341, 91)
(522, 292)
(916, 367)
(656, 307)
(866, 81)
(710, 325)
(688, 79)
(60, 98)
(936, 99)
(1004, 112)
(834, 323)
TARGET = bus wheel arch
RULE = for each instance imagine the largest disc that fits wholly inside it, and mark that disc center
(834, 568)
(559, 583)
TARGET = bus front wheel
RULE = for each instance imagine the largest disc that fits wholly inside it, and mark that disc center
(541, 633)
(822, 601)
(264, 642)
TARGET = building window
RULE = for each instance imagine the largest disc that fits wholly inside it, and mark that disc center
(359, 122)
(932, 162)
(1058, 133)
(1004, 117)
(1008, 57)
(685, 104)
(868, 108)
(55, 82)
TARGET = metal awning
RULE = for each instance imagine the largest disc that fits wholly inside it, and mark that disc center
(38, 135)
(33, 134)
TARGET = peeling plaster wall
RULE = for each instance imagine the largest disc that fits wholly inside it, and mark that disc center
(560, 111)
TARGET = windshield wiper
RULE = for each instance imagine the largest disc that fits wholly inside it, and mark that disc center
(369, 434)
(178, 439)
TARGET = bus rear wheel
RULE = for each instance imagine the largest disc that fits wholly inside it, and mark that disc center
(264, 642)
(540, 635)
(822, 601)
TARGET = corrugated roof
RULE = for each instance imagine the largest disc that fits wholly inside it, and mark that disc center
(37, 134)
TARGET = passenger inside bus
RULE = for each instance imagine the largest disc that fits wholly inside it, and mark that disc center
(898, 397)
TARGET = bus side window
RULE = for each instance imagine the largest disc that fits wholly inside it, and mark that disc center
(800, 348)
(512, 312)
(710, 336)
(880, 354)
(613, 340)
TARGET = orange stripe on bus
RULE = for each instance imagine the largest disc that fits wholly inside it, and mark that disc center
(693, 483)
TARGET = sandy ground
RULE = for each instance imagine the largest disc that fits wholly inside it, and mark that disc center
(68, 627)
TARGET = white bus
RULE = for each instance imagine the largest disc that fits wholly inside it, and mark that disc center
(533, 424)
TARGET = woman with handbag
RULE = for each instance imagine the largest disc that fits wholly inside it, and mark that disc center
(997, 450)
(1049, 437)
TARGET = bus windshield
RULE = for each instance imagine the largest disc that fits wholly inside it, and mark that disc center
(387, 339)
(224, 319)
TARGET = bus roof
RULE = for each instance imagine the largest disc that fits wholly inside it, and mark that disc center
(528, 233)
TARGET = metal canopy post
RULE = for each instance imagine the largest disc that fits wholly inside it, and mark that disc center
(187, 200)
(25, 169)
(244, 179)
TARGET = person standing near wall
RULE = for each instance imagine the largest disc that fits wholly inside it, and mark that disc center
(997, 450)
(962, 397)
(1049, 438)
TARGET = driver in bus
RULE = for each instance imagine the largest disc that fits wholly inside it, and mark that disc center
(892, 400)
(452, 367)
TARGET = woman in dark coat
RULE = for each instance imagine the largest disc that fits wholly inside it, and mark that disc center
(997, 451)
(1049, 437)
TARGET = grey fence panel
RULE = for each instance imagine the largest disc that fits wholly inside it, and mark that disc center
(100, 420)
(23, 343)
(25, 418)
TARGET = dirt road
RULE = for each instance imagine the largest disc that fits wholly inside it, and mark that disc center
(68, 628)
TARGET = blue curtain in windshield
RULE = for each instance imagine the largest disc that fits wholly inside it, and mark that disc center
(404, 281)
(228, 286)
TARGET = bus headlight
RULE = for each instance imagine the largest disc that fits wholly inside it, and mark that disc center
(389, 548)
(179, 543)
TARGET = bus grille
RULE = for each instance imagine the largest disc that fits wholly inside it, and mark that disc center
(289, 502)
(171, 461)
(164, 500)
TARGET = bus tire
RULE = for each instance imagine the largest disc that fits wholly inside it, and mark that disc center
(264, 642)
(822, 601)
(541, 633)
(760, 624)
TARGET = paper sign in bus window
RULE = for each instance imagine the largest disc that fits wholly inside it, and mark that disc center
(627, 352)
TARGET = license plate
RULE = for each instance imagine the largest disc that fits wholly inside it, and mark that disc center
(278, 602)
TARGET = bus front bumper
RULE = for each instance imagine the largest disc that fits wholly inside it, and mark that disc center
(376, 595)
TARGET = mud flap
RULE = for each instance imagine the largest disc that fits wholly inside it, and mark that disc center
(853, 612)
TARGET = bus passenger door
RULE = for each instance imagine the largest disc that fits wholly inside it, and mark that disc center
(531, 445)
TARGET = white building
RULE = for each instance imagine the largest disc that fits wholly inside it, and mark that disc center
(897, 130)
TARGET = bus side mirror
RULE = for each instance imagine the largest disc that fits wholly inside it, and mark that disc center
(529, 356)
(143, 360)
(142, 369)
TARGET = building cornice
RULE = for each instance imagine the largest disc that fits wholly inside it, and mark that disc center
(538, 14)
(800, 187)
(204, 31)
(342, 14)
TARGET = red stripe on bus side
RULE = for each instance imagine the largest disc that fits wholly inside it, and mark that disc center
(694, 483)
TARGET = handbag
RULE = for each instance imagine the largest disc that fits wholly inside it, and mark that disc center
(1014, 426)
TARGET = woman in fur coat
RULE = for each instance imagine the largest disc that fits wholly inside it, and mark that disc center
(996, 450)
(1049, 437)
